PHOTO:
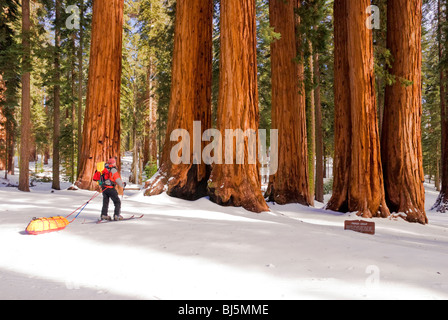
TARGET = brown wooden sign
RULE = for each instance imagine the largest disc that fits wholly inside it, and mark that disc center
(360, 226)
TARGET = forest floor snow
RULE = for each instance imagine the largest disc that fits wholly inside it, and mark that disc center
(199, 250)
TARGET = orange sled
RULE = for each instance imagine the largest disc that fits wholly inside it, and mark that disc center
(46, 225)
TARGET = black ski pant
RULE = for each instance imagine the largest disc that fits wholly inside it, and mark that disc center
(111, 193)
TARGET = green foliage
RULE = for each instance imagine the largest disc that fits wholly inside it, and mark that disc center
(10, 51)
(265, 36)
(431, 120)
(43, 79)
(328, 186)
(150, 169)
(156, 29)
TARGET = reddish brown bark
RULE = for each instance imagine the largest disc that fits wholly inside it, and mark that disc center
(290, 183)
(190, 100)
(319, 183)
(237, 184)
(441, 204)
(150, 139)
(401, 136)
(358, 176)
(57, 99)
(101, 132)
(3, 153)
(25, 136)
(80, 84)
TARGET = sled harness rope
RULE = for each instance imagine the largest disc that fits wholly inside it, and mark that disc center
(83, 206)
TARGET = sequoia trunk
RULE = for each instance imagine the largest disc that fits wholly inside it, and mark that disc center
(401, 136)
(290, 183)
(190, 101)
(358, 177)
(238, 183)
(101, 133)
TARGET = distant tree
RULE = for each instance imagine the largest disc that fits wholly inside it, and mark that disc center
(441, 204)
(315, 31)
(25, 137)
(57, 97)
(10, 54)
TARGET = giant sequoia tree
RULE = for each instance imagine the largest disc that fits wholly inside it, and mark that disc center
(290, 183)
(101, 133)
(237, 184)
(190, 101)
(358, 176)
(401, 136)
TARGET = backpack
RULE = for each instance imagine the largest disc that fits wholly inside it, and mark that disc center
(103, 176)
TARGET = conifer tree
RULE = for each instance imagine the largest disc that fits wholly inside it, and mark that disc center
(25, 136)
(10, 81)
(190, 100)
(237, 184)
(290, 183)
(403, 166)
(101, 133)
(358, 176)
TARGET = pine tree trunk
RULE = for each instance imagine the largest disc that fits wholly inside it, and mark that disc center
(319, 183)
(25, 137)
(101, 132)
(190, 100)
(290, 183)
(73, 115)
(311, 132)
(57, 100)
(441, 204)
(150, 141)
(237, 184)
(146, 130)
(153, 150)
(437, 177)
(80, 83)
(3, 149)
(134, 167)
(358, 183)
(401, 137)
(10, 149)
(3, 141)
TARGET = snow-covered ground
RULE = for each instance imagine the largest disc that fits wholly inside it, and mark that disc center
(198, 250)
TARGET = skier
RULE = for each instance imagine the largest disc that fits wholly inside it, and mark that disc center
(110, 177)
